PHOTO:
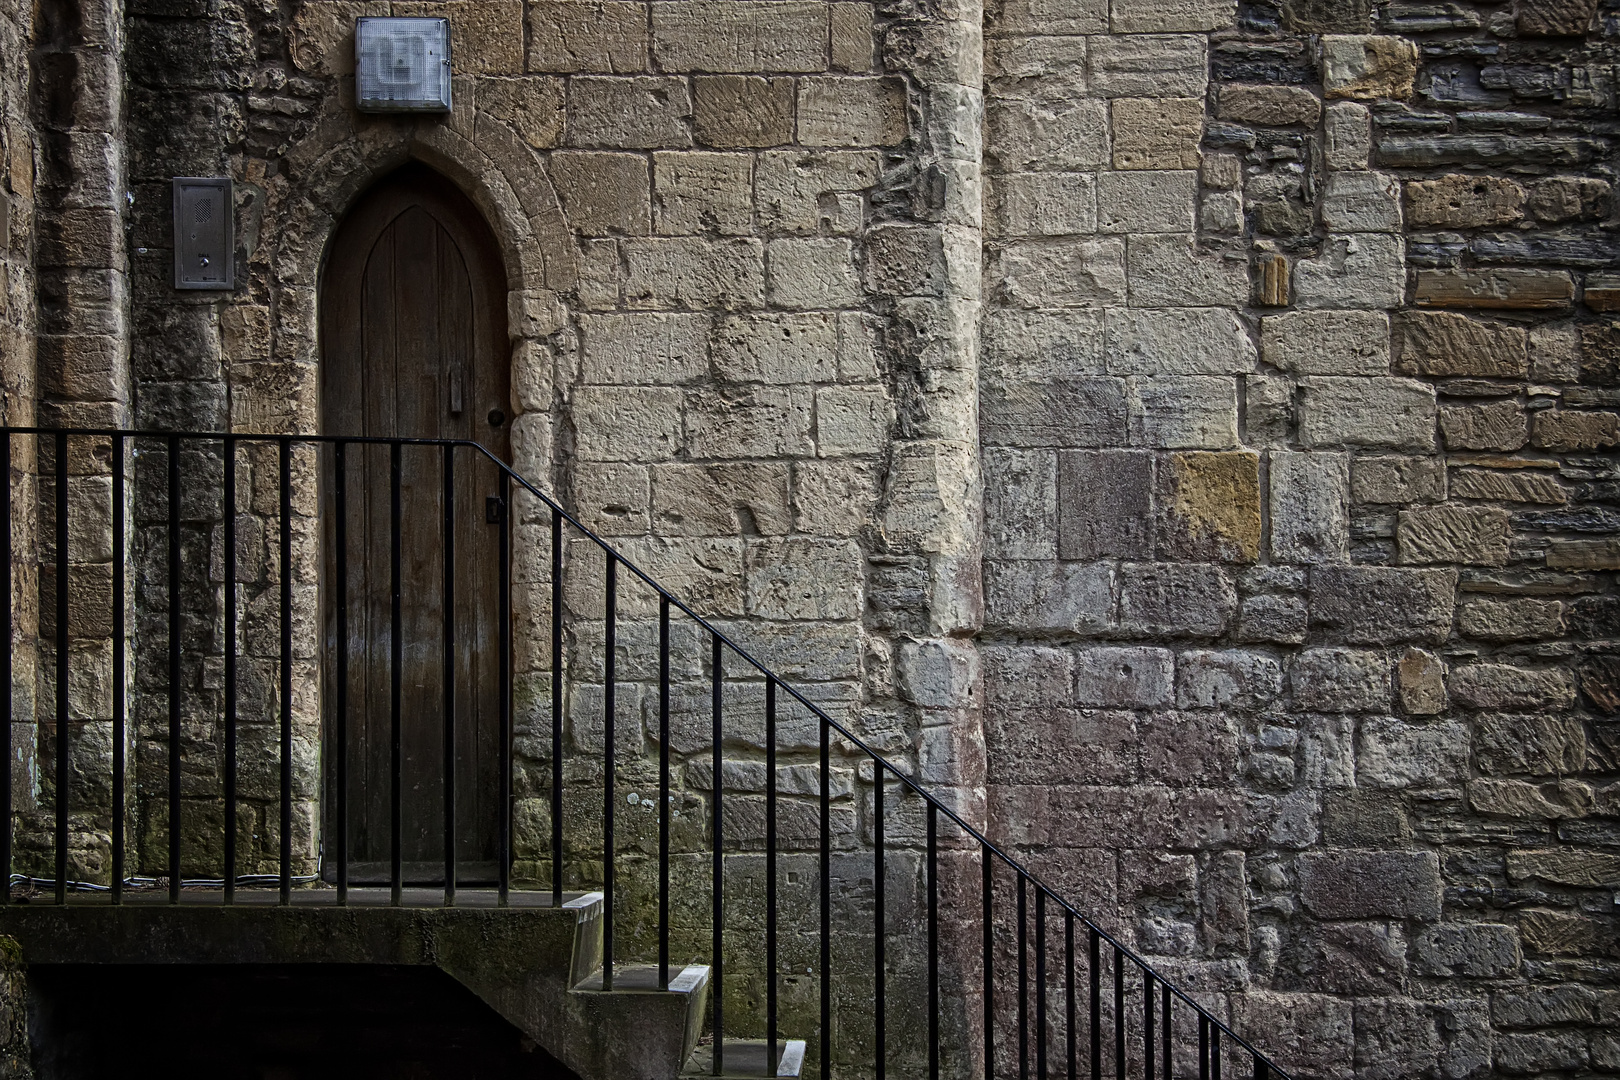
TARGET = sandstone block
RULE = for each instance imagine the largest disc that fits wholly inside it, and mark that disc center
(1146, 201)
(1059, 413)
(799, 578)
(1564, 866)
(834, 498)
(1055, 133)
(1396, 414)
(1556, 933)
(1361, 202)
(628, 113)
(1508, 485)
(1370, 884)
(790, 186)
(1058, 273)
(1034, 57)
(1347, 135)
(1042, 204)
(1492, 619)
(1538, 1053)
(650, 348)
(1340, 680)
(1167, 271)
(1458, 201)
(1361, 270)
(1156, 133)
(1148, 65)
(1376, 605)
(1366, 66)
(1393, 1032)
(742, 110)
(1269, 413)
(739, 36)
(750, 422)
(1543, 1006)
(1226, 679)
(607, 38)
(852, 420)
(1391, 754)
(716, 500)
(1050, 16)
(1527, 290)
(1021, 504)
(694, 272)
(1600, 682)
(1183, 412)
(1020, 678)
(698, 191)
(1444, 343)
(1501, 425)
(615, 423)
(1133, 17)
(1104, 504)
(1209, 507)
(1071, 597)
(1124, 677)
(1475, 949)
(1422, 681)
(1594, 616)
(489, 36)
(1506, 686)
(1175, 600)
(1280, 619)
(612, 499)
(1583, 555)
(851, 38)
(1555, 352)
(777, 348)
(1302, 1026)
(1327, 342)
(1504, 744)
(1454, 534)
(1564, 431)
(940, 673)
(1518, 799)
(1309, 507)
(1568, 198)
(1222, 212)
(1176, 341)
(1397, 479)
(1555, 18)
(851, 111)
(1272, 106)
(811, 273)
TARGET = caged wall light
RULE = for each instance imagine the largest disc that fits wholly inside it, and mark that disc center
(402, 65)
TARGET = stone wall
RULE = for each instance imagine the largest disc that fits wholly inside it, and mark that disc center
(1297, 429)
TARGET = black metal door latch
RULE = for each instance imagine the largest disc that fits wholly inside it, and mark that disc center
(494, 509)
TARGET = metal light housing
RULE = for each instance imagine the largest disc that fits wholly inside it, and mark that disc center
(402, 64)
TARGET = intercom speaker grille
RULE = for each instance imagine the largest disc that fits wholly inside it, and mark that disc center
(402, 64)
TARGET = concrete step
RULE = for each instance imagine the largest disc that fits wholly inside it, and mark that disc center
(750, 1058)
(630, 981)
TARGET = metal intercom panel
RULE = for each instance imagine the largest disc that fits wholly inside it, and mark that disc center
(204, 233)
(402, 64)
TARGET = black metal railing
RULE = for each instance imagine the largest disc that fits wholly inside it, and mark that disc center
(1072, 1015)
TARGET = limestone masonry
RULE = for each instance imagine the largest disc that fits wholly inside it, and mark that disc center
(1182, 431)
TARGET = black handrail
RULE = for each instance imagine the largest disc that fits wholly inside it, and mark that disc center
(1210, 1029)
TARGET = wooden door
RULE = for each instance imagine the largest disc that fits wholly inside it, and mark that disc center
(413, 344)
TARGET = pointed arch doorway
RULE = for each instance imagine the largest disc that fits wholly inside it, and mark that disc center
(414, 344)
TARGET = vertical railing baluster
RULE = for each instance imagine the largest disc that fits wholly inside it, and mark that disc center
(340, 734)
(286, 669)
(503, 615)
(1040, 982)
(1068, 991)
(396, 671)
(1119, 1013)
(1023, 978)
(62, 661)
(1203, 1047)
(770, 873)
(1094, 978)
(718, 888)
(878, 952)
(610, 677)
(556, 709)
(1165, 1034)
(449, 674)
(119, 689)
(933, 941)
(826, 899)
(987, 900)
(663, 791)
(1215, 1053)
(5, 690)
(174, 662)
(1147, 1025)
(1261, 1070)
(228, 511)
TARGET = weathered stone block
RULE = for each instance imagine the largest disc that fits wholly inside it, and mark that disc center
(1175, 599)
(1132, 17)
(1568, 198)
(742, 110)
(1444, 343)
(777, 348)
(1340, 680)
(1327, 342)
(1058, 273)
(1272, 106)
(1370, 884)
(801, 578)
(698, 191)
(1307, 1032)
(790, 186)
(745, 36)
(811, 273)
(1508, 485)
(1366, 66)
(1052, 133)
(750, 422)
(1021, 510)
(1505, 686)
(1566, 866)
(627, 423)
(605, 39)
(1156, 65)
(1396, 414)
(1166, 270)
(1146, 201)
(1176, 341)
(834, 498)
(1309, 507)
(1507, 744)
(1049, 16)
(1528, 290)
(651, 348)
(1398, 480)
(1377, 605)
(851, 111)
(1226, 679)
(1347, 135)
(1457, 201)
(1269, 414)
(1042, 204)
(1280, 619)
(1124, 677)
(1189, 748)
(1555, 18)
(852, 420)
(1361, 270)
(851, 37)
(1454, 534)
(1489, 950)
(1491, 619)
(633, 112)
(1361, 202)
(694, 272)
(1044, 595)
(1391, 1033)
(1104, 504)
(1583, 555)
(1157, 133)
(1209, 507)
(1421, 677)
(1183, 411)
(1519, 799)
(1501, 425)
(1060, 413)
(1564, 431)
(612, 499)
